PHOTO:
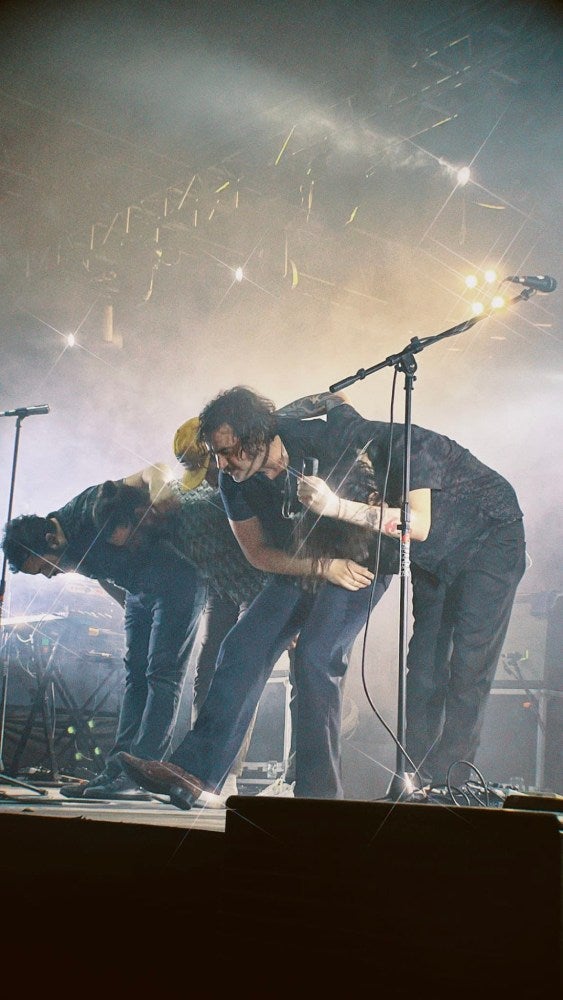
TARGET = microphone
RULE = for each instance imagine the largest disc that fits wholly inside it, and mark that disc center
(539, 282)
(26, 411)
(310, 466)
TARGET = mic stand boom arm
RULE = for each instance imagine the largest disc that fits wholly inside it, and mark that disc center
(416, 345)
(405, 362)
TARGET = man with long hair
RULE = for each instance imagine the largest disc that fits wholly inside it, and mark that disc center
(326, 597)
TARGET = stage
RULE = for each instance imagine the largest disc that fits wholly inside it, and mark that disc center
(272, 894)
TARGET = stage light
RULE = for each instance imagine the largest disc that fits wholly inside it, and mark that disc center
(239, 274)
(463, 176)
(477, 308)
(71, 340)
(471, 281)
(497, 302)
(490, 276)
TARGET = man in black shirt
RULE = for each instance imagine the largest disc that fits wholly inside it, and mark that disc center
(163, 596)
(465, 572)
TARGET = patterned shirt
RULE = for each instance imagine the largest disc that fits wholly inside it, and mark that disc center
(200, 531)
(468, 498)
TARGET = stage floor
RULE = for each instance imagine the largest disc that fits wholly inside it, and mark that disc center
(157, 812)
(48, 801)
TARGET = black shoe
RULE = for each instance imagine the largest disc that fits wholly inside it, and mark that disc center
(74, 789)
(117, 788)
(78, 789)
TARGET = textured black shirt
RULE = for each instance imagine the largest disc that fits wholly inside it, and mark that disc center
(469, 499)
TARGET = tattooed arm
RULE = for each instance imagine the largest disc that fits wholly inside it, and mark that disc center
(319, 498)
(316, 405)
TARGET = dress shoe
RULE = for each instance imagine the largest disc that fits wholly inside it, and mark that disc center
(163, 779)
(118, 788)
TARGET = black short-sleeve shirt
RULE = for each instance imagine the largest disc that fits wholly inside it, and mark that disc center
(136, 571)
(271, 500)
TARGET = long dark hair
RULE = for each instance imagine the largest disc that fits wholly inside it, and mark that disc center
(251, 416)
(121, 506)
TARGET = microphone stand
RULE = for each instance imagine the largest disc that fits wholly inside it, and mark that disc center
(400, 785)
(3, 638)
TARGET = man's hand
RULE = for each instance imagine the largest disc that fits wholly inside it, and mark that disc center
(317, 496)
(346, 573)
(166, 500)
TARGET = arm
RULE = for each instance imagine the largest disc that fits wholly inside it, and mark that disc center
(316, 405)
(154, 480)
(318, 497)
(117, 593)
(342, 572)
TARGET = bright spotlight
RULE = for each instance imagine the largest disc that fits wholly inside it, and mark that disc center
(490, 276)
(477, 308)
(463, 176)
(71, 340)
(471, 281)
(497, 302)
(239, 274)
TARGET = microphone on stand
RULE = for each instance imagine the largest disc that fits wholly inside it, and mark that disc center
(539, 282)
(26, 411)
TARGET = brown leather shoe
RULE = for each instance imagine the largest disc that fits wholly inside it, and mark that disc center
(163, 779)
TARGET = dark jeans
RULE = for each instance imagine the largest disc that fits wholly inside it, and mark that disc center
(457, 639)
(160, 629)
(328, 623)
(220, 615)
(289, 774)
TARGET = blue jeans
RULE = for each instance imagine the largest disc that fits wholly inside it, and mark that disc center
(160, 629)
(328, 623)
(459, 630)
(219, 617)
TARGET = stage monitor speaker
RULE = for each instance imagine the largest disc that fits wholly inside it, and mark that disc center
(413, 896)
(521, 739)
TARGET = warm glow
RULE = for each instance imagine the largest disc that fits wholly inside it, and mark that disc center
(477, 308)
(490, 276)
(471, 281)
(497, 302)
